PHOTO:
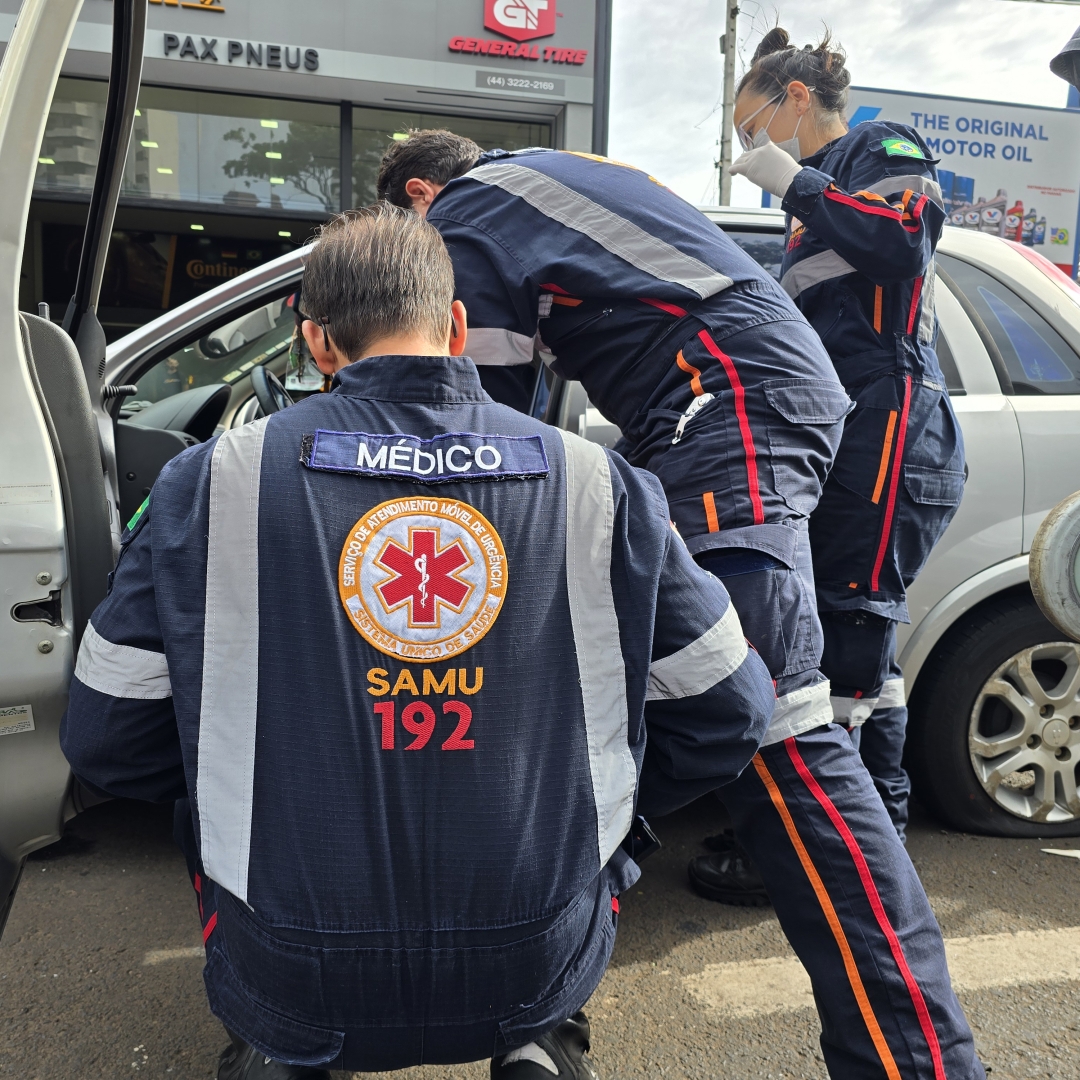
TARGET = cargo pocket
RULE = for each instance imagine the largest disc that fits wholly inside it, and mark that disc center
(273, 1034)
(804, 429)
(927, 504)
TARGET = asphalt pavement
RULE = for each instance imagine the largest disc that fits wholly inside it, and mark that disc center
(100, 966)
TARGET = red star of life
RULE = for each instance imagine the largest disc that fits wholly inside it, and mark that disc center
(424, 576)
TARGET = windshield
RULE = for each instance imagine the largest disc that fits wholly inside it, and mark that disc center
(224, 355)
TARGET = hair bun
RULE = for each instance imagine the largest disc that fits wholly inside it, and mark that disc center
(776, 40)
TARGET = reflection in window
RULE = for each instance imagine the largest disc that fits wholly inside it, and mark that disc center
(764, 248)
(196, 146)
(1040, 362)
(225, 354)
(1038, 359)
(374, 129)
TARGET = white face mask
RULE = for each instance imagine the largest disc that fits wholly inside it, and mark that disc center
(790, 146)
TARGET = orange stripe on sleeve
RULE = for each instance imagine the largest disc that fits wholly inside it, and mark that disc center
(854, 978)
(693, 372)
(878, 291)
(886, 450)
(710, 510)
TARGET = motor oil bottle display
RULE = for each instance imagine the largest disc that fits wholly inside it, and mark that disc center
(946, 179)
(1039, 237)
(1014, 222)
(992, 218)
(1027, 236)
(973, 215)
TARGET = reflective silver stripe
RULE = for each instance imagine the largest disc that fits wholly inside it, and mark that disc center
(497, 348)
(798, 712)
(853, 712)
(897, 185)
(619, 236)
(590, 517)
(813, 271)
(701, 664)
(230, 681)
(929, 305)
(121, 670)
(893, 694)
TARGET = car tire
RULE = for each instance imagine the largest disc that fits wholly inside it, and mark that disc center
(987, 751)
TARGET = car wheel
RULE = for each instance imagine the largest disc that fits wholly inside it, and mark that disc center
(994, 736)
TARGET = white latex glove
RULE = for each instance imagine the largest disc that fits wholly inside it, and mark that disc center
(771, 168)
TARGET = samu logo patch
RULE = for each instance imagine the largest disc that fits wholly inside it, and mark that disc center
(423, 579)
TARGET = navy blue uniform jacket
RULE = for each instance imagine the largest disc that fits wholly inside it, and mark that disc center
(413, 657)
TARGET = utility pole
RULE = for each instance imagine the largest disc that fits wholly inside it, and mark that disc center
(727, 47)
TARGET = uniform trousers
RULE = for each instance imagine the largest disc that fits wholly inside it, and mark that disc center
(852, 906)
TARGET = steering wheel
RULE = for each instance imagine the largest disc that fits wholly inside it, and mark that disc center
(271, 395)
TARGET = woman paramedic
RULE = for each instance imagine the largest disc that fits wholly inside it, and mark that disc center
(864, 213)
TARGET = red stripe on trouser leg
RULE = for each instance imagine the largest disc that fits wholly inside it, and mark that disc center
(208, 929)
(198, 892)
(872, 894)
(749, 449)
(894, 484)
(916, 293)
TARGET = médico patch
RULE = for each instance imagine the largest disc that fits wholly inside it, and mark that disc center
(444, 459)
(422, 579)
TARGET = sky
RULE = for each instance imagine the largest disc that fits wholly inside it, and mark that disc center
(667, 68)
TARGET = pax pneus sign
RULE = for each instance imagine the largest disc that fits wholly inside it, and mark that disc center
(521, 21)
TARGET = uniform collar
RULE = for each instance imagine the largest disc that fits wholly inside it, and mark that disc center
(412, 378)
(814, 160)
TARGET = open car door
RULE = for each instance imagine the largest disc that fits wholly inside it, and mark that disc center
(59, 523)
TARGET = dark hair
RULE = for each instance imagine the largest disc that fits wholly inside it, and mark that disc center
(376, 272)
(436, 156)
(777, 63)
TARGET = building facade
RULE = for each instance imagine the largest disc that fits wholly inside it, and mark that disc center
(258, 119)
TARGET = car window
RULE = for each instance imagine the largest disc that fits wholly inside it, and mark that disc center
(1037, 357)
(223, 355)
(765, 248)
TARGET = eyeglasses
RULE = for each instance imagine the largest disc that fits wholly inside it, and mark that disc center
(746, 140)
(323, 322)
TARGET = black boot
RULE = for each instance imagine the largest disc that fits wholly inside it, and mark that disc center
(562, 1049)
(238, 1061)
(728, 875)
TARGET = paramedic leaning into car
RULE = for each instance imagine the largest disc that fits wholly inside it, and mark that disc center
(395, 650)
(724, 391)
(864, 216)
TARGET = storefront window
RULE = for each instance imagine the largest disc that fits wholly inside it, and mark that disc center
(243, 153)
(374, 129)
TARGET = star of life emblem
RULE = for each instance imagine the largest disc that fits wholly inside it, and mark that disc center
(422, 579)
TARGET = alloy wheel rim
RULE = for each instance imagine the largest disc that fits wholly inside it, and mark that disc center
(1024, 733)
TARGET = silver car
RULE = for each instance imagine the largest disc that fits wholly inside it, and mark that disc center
(994, 691)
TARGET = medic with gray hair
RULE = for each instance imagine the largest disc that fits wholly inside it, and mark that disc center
(407, 660)
(723, 390)
(864, 216)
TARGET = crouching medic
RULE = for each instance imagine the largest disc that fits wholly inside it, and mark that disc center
(409, 851)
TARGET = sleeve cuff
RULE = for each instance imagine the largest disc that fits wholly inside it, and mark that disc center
(804, 191)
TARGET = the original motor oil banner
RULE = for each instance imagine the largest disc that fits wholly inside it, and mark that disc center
(1011, 170)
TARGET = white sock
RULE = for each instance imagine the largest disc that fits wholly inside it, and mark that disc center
(532, 1052)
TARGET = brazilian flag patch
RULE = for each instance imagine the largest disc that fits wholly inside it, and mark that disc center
(901, 148)
(138, 514)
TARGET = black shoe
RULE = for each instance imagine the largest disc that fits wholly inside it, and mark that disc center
(728, 877)
(238, 1061)
(565, 1047)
